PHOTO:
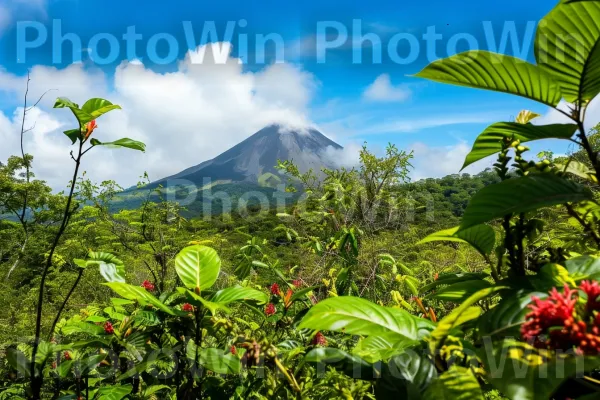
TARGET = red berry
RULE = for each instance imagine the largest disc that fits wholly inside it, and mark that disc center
(108, 328)
(233, 350)
(149, 286)
(275, 289)
(270, 309)
(187, 307)
(67, 355)
(319, 339)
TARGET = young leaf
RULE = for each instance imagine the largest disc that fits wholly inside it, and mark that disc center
(490, 141)
(97, 107)
(198, 267)
(125, 142)
(481, 237)
(458, 383)
(382, 347)
(239, 293)
(519, 195)
(111, 268)
(485, 70)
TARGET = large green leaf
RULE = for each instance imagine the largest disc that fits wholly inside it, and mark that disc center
(124, 142)
(82, 327)
(490, 141)
(517, 195)
(113, 392)
(239, 293)
(485, 70)
(583, 267)
(458, 383)
(198, 267)
(522, 372)
(568, 47)
(139, 294)
(382, 347)
(349, 364)
(111, 268)
(97, 107)
(449, 279)
(460, 291)
(215, 360)
(405, 376)
(481, 237)
(358, 316)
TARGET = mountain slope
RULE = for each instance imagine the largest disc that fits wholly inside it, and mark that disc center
(258, 154)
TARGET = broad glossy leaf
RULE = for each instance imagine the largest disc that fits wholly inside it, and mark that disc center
(113, 392)
(490, 141)
(239, 293)
(382, 347)
(82, 327)
(349, 364)
(146, 318)
(522, 372)
(217, 361)
(139, 294)
(405, 376)
(567, 47)
(584, 267)
(523, 194)
(485, 70)
(73, 134)
(63, 102)
(449, 279)
(124, 142)
(97, 107)
(356, 316)
(198, 267)
(481, 237)
(111, 268)
(458, 383)
(460, 291)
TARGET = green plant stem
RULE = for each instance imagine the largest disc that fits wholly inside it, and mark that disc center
(509, 242)
(36, 383)
(64, 303)
(520, 249)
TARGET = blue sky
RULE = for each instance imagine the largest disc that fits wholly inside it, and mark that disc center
(208, 108)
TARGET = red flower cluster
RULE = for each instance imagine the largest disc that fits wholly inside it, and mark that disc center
(297, 282)
(556, 322)
(108, 328)
(275, 291)
(233, 350)
(319, 339)
(270, 309)
(67, 355)
(187, 307)
(149, 286)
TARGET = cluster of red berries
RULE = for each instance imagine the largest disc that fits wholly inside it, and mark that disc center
(319, 339)
(275, 291)
(297, 283)
(187, 307)
(149, 286)
(233, 350)
(67, 355)
(270, 309)
(108, 328)
(558, 323)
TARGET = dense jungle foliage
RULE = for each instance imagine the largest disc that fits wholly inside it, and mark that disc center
(369, 286)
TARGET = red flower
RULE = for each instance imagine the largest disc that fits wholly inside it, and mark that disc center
(319, 339)
(187, 307)
(275, 289)
(553, 323)
(233, 350)
(108, 328)
(297, 283)
(270, 309)
(67, 355)
(90, 127)
(149, 286)
(592, 291)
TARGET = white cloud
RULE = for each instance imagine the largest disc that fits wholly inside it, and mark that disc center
(438, 161)
(11, 10)
(592, 115)
(347, 157)
(383, 90)
(184, 117)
